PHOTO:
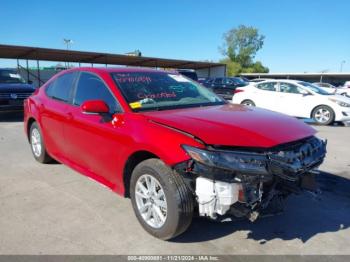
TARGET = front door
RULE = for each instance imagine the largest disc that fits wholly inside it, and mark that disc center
(294, 101)
(94, 143)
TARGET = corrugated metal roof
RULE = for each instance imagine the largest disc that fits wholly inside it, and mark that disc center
(60, 55)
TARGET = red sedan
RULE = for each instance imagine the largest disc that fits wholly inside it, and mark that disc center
(171, 145)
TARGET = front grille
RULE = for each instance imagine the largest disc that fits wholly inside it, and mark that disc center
(297, 158)
(14, 95)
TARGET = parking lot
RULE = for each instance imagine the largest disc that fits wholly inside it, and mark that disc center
(50, 209)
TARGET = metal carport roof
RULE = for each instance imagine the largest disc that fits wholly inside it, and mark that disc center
(60, 55)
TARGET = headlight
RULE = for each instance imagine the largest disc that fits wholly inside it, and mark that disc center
(341, 103)
(235, 161)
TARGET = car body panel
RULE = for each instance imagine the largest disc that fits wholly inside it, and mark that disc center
(100, 149)
(235, 125)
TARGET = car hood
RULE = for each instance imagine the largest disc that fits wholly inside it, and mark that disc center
(234, 125)
(18, 87)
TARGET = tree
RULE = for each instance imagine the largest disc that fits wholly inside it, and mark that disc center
(232, 68)
(240, 47)
(256, 67)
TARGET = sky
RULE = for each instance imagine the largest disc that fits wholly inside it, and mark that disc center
(300, 35)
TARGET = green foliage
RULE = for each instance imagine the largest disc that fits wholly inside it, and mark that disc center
(256, 67)
(232, 68)
(240, 47)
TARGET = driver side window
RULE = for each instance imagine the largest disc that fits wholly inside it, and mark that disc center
(91, 87)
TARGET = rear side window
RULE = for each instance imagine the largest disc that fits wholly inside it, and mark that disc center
(61, 88)
(228, 81)
(91, 87)
(218, 81)
(290, 88)
(271, 86)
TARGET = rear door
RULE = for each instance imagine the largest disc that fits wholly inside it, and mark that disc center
(94, 143)
(227, 88)
(53, 112)
(266, 95)
(216, 84)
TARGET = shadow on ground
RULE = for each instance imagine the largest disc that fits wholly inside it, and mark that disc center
(11, 117)
(304, 217)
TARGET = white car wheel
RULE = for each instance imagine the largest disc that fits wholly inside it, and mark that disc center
(323, 115)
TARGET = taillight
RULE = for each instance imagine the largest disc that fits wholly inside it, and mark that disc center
(237, 91)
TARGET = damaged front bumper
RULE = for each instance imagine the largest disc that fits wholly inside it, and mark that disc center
(250, 182)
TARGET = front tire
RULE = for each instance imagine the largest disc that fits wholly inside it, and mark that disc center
(161, 200)
(323, 115)
(37, 145)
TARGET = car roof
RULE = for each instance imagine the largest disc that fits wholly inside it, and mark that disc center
(281, 80)
(118, 70)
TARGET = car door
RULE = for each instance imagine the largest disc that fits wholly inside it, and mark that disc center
(265, 95)
(53, 112)
(94, 142)
(216, 85)
(294, 100)
(226, 90)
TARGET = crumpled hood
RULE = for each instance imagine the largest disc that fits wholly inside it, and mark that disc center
(17, 87)
(234, 125)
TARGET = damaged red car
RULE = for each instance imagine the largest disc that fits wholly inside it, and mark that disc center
(171, 145)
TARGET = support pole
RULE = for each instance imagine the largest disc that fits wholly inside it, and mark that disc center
(27, 64)
(38, 71)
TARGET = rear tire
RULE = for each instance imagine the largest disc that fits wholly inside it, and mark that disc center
(323, 115)
(248, 102)
(37, 145)
(176, 202)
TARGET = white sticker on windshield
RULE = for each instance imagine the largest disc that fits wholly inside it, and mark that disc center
(179, 78)
(15, 76)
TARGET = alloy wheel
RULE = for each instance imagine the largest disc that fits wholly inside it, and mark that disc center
(151, 201)
(322, 115)
(36, 142)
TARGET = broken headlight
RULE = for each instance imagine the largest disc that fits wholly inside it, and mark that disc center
(244, 162)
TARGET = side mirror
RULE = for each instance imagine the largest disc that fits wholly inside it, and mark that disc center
(30, 82)
(305, 92)
(95, 107)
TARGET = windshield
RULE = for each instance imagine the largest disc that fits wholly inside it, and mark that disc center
(10, 76)
(159, 90)
(314, 88)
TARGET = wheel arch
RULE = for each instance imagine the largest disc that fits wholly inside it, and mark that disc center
(133, 160)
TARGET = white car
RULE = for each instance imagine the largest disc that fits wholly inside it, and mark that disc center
(344, 91)
(295, 98)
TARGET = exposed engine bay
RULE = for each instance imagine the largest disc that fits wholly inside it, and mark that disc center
(241, 182)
